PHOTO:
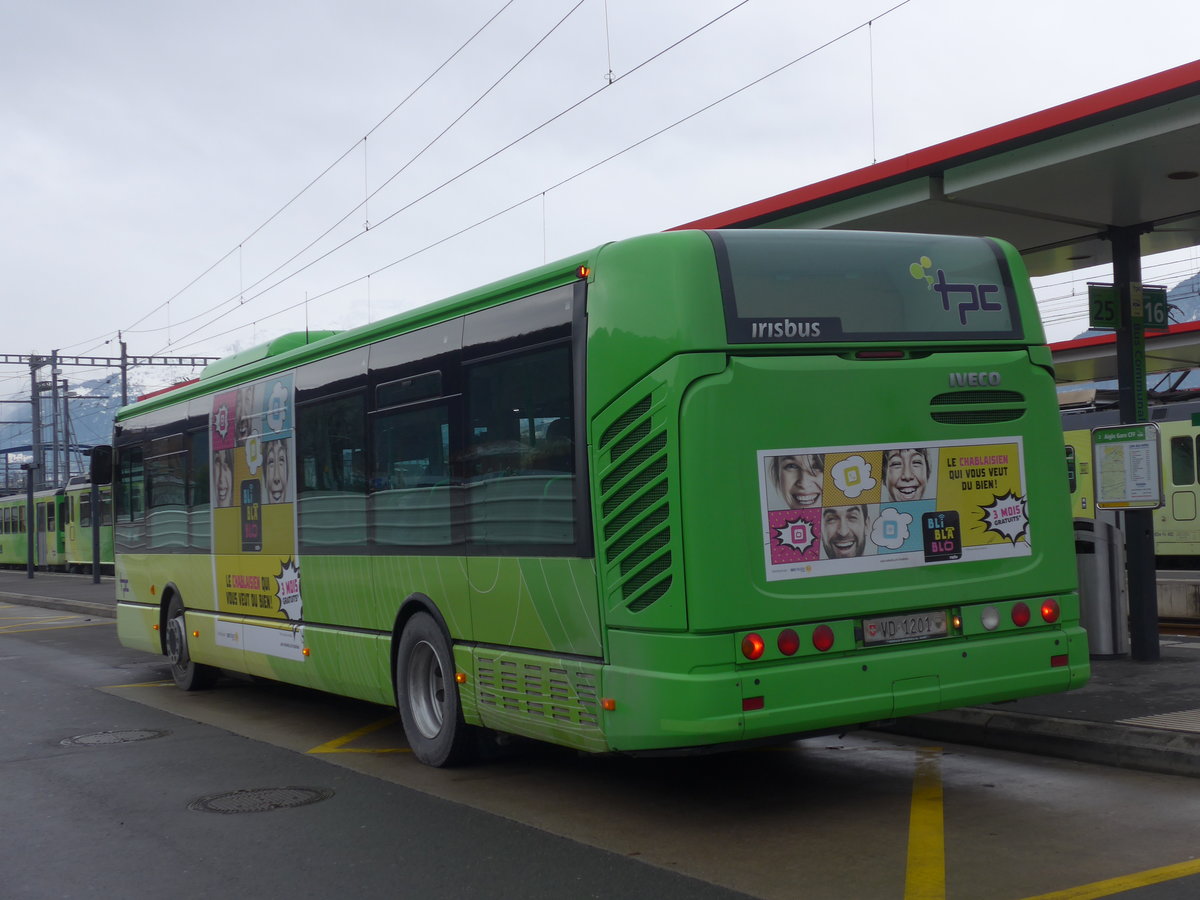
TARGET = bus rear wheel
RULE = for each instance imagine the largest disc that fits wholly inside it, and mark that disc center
(427, 695)
(188, 674)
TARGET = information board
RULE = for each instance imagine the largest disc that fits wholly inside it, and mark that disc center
(1125, 467)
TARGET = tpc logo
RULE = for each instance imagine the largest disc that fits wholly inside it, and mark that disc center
(975, 294)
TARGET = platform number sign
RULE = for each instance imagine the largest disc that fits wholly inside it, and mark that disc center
(1148, 305)
(1154, 308)
(1103, 309)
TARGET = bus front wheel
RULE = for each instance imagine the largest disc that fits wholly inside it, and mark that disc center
(188, 674)
(427, 695)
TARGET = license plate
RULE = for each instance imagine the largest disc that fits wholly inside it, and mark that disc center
(906, 627)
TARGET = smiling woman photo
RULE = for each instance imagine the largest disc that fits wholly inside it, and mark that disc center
(799, 479)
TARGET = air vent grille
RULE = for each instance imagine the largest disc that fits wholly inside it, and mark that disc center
(977, 416)
(540, 691)
(977, 397)
(634, 495)
(983, 407)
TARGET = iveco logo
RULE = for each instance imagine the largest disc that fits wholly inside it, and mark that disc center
(974, 379)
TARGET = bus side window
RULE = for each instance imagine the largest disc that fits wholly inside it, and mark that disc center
(1183, 461)
(331, 474)
(130, 485)
(519, 457)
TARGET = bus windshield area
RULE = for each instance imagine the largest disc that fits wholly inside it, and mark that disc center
(791, 286)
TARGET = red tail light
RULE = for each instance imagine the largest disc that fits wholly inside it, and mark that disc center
(753, 646)
(1020, 615)
(789, 642)
(822, 637)
(1050, 610)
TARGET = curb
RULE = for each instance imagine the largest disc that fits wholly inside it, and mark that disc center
(1106, 743)
(82, 607)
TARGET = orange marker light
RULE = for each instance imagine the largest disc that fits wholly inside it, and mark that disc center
(460, 677)
(583, 272)
(305, 651)
(153, 590)
(195, 634)
(608, 704)
(155, 627)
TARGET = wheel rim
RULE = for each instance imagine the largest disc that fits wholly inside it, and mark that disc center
(427, 689)
(177, 642)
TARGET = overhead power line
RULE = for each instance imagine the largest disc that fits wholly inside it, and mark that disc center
(323, 173)
(491, 156)
(745, 87)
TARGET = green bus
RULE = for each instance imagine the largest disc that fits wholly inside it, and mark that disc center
(48, 549)
(77, 523)
(684, 491)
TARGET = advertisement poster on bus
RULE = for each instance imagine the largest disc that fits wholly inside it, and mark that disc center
(253, 488)
(834, 510)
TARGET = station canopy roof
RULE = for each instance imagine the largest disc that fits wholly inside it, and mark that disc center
(1052, 183)
(1095, 358)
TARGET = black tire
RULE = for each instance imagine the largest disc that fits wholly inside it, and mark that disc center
(427, 696)
(188, 675)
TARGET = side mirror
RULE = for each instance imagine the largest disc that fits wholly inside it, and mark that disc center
(101, 465)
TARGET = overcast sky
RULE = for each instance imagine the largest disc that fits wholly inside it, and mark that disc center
(148, 148)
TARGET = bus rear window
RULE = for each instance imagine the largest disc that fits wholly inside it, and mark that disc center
(797, 286)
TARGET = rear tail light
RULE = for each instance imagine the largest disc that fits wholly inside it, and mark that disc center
(789, 642)
(753, 646)
(1051, 610)
(1020, 615)
(822, 637)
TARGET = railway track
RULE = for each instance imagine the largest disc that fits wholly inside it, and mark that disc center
(1178, 625)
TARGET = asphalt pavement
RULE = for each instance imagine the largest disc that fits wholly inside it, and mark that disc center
(1136, 715)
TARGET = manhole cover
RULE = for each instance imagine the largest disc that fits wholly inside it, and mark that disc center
(115, 737)
(260, 799)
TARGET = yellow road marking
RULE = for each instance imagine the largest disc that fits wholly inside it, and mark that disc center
(19, 629)
(338, 745)
(1125, 882)
(925, 876)
(142, 684)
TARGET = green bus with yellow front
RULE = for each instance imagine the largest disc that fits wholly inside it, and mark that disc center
(683, 491)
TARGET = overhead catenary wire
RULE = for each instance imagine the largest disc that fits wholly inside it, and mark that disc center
(385, 184)
(541, 191)
(329, 168)
(578, 174)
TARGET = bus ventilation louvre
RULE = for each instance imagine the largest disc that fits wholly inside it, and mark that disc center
(977, 407)
(637, 533)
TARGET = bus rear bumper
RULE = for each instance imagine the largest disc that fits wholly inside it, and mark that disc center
(656, 710)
